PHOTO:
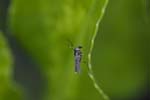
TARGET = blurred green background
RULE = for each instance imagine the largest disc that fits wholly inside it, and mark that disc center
(37, 64)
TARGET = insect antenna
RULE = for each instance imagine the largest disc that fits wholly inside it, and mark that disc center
(70, 44)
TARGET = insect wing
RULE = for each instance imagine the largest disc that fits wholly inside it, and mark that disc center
(77, 63)
(77, 55)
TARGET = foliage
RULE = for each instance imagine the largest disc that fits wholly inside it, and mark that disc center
(8, 89)
(44, 28)
(115, 54)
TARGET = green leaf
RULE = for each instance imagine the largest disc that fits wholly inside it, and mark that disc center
(121, 53)
(45, 27)
(8, 89)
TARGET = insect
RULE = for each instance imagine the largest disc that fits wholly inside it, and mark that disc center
(77, 56)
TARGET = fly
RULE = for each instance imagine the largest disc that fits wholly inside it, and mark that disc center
(77, 58)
